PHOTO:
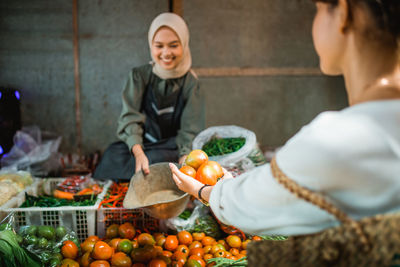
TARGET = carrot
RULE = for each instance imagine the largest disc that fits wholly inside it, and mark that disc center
(86, 191)
(61, 194)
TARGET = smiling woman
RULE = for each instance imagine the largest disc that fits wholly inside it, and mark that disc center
(159, 102)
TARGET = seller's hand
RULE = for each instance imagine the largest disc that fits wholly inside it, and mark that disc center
(189, 184)
(141, 160)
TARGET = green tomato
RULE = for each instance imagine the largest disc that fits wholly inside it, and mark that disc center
(54, 262)
(61, 231)
(42, 243)
(30, 240)
(47, 232)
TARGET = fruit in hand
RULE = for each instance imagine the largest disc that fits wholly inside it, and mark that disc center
(206, 174)
(186, 169)
(196, 158)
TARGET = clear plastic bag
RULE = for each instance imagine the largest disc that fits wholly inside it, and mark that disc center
(246, 158)
(33, 151)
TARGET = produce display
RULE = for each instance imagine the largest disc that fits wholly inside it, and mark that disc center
(220, 146)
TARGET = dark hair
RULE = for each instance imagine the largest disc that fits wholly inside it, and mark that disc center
(386, 13)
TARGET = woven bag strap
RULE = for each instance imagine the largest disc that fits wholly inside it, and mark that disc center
(318, 200)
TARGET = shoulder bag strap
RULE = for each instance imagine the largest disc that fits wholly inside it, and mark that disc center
(318, 200)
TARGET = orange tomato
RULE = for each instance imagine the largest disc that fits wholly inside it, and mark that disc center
(186, 169)
(157, 263)
(196, 158)
(206, 174)
(234, 241)
(87, 246)
(69, 263)
(217, 247)
(100, 263)
(138, 264)
(69, 249)
(120, 259)
(256, 238)
(207, 240)
(127, 230)
(112, 231)
(177, 264)
(184, 249)
(86, 260)
(114, 242)
(198, 236)
(185, 238)
(145, 239)
(207, 256)
(217, 167)
(198, 259)
(197, 251)
(167, 253)
(171, 242)
(102, 251)
(195, 244)
(244, 243)
(93, 238)
(207, 249)
(234, 251)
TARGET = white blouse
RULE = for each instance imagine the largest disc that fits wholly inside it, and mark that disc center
(351, 156)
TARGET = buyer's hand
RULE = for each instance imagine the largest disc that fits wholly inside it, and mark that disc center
(141, 160)
(186, 183)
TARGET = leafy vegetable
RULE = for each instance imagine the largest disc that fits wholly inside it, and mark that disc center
(206, 224)
(12, 255)
(47, 201)
(221, 146)
(222, 262)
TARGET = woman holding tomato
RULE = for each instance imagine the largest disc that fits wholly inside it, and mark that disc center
(351, 156)
(163, 108)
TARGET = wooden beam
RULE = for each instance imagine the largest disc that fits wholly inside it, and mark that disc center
(177, 7)
(237, 71)
(77, 76)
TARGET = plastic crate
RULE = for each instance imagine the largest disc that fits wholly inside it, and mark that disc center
(138, 218)
(82, 220)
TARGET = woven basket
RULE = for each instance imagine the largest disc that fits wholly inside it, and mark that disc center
(372, 241)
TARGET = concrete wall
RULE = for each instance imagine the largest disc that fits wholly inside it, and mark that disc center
(36, 56)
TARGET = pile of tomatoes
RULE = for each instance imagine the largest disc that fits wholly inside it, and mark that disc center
(124, 246)
(199, 167)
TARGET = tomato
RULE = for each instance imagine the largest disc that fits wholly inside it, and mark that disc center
(198, 259)
(185, 238)
(177, 264)
(142, 254)
(184, 249)
(87, 246)
(157, 263)
(102, 251)
(69, 249)
(86, 260)
(196, 158)
(197, 251)
(206, 174)
(244, 243)
(208, 241)
(186, 169)
(256, 238)
(234, 251)
(234, 241)
(93, 238)
(196, 244)
(219, 254)
(125, 246)
(114, 242)
(112, 231)
(127, 231)
(138, 264)
(207, 249)
(160, 240)
(69, 263)
(145, 239)
(198, 236)
(171, 242)
(243, 252)
(100, 263)
(217, 167)
(217, 247)
(120, 259)
(223, 242)
(207, 256)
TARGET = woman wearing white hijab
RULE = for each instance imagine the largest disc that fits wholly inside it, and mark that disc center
(162, 105)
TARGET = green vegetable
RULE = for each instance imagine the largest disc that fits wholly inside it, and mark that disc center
(222, 262)
(42, 243)
(50, 201)
(274, 237)
(61, 231)
(206, 224)
(221, 146)
(5, 226)
(12, 255)
(30, 240)
(185, 214)
(47, 232)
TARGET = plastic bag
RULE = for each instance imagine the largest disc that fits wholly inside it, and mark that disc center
(200, 220)
(246, 158)
(33, 151)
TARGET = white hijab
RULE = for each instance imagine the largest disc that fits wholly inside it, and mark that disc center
(177, 24)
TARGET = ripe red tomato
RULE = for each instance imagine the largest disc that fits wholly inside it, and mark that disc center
(188, 171)
(206, 174)
(196, 158)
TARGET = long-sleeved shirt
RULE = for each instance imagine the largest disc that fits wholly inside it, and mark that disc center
(131, 120)
(351, 156)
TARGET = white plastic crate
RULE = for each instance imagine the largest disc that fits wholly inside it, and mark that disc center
(82, 220)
